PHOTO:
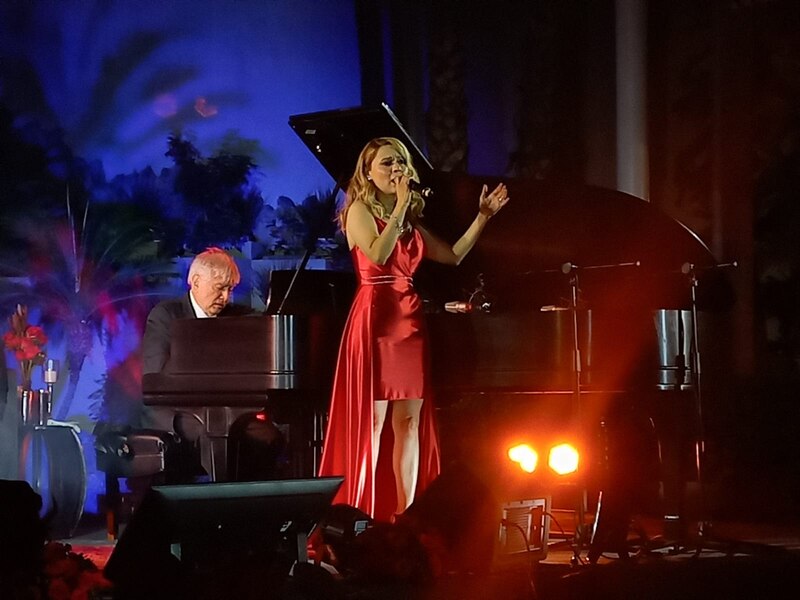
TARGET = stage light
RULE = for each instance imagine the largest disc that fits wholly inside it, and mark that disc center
(525, 456)
(563, 459)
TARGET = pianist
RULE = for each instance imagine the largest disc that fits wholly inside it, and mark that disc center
(212, 277)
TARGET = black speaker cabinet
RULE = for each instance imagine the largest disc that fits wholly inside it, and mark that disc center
(217, 540)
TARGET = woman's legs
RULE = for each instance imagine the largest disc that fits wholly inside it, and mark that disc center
(405, 456)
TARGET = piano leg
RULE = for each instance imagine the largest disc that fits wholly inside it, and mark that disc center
(207, 427)
(214, 448)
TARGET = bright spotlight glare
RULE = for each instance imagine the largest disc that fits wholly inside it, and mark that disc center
(563, 459)
(525, 456)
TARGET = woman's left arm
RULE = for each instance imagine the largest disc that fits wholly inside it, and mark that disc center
(488, 205)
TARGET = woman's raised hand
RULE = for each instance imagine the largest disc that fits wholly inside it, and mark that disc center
(490, 203)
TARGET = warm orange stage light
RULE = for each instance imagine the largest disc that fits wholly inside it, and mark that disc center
(563, 459)
(525, 456)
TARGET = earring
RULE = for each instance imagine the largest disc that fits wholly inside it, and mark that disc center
(369, 178)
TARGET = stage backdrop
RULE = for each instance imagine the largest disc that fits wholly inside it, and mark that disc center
(112, 80)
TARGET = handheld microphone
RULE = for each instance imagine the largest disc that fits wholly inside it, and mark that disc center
(416, 186)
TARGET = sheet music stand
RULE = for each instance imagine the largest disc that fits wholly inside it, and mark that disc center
(336, 137)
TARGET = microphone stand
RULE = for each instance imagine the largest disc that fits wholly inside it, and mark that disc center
(572, 270)
(700, 438)
(704, 525)
(310, 247)
(581, 530)
(695, 364)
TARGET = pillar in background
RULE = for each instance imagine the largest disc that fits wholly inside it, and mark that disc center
(631, 42)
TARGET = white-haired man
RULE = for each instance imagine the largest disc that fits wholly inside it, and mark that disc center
(212, 277)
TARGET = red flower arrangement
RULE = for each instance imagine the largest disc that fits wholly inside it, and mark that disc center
(69, 575)
(26, 342)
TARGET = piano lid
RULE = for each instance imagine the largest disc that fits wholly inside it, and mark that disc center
(336, 137)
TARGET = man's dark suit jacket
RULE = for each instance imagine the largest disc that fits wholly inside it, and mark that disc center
(155, 344)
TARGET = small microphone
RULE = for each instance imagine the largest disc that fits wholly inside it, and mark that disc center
(568, 267)
(688, 267)
(458, 306)
(416, 186)
(462, 307)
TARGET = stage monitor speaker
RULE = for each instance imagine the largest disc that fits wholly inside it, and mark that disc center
(217, 540)
(23, 533)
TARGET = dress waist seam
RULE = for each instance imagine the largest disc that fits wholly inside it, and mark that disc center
(387, 280)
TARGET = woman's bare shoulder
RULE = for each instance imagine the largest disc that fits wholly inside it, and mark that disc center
(359, 208)
(360, 214)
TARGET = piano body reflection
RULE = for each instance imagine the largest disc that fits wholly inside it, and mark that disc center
(221, 370)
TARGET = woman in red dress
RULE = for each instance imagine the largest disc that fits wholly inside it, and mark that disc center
(383, 355)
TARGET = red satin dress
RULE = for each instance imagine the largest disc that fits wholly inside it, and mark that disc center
(382, 356)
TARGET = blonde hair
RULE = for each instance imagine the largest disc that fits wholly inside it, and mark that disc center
(361, 189)
(215, 263)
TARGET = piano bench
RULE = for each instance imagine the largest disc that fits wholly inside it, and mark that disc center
(135, 454)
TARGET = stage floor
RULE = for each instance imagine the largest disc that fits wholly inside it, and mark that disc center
(737, 560)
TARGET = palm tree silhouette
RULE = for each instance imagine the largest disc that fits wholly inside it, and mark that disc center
(87, 271)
